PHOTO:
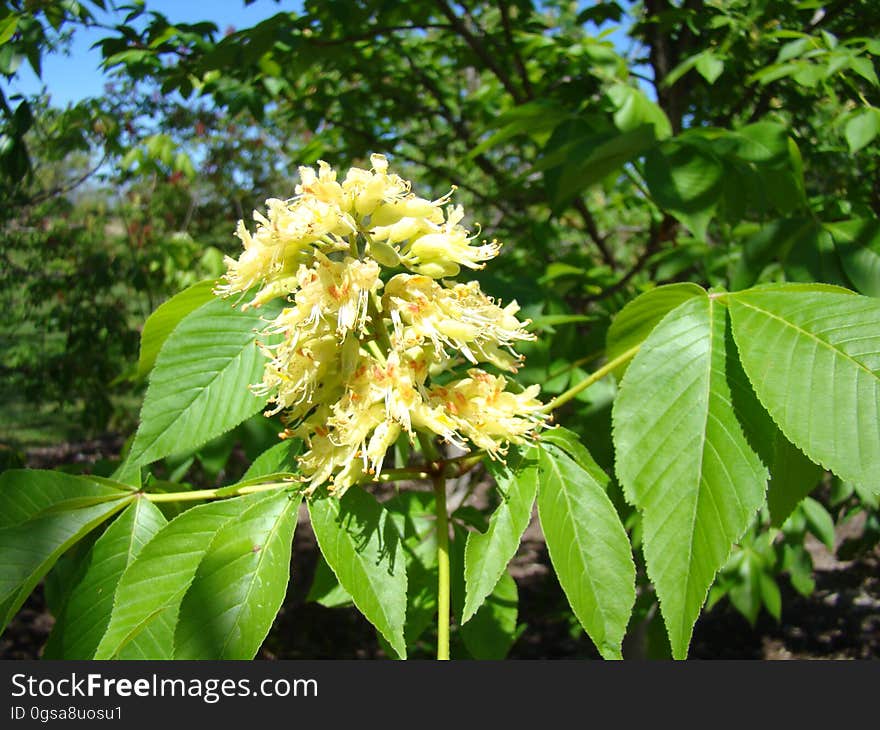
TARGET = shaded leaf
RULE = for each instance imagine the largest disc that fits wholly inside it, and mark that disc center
(149, 594)
(487, 554)
(686, 180)
(792, 474)
(25, 493)
(280, 458)
(858, 245)
(29, 549)
(492, 630)
(363, 548)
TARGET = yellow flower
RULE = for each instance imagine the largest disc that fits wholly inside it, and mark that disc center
(483, 410)
(460, 317)
(441, 253)
(360, 356)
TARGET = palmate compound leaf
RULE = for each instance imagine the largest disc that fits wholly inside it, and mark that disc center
(487, 554)
(683, 460)
(240, 584)
(199, 384)
(362, 546)
(149, 594)
(79, 628)
(588, 547)
(813, 358)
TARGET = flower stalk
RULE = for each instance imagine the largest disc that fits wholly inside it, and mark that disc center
(443, 580)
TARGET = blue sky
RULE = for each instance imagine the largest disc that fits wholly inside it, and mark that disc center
(70, 78)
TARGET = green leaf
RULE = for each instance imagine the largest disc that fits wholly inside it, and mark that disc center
(638, 318)
(587, 159)
(862, 128)
(26, 493)
(683, 460)
(588, 547)
(803, 247)
(687, 181)
(762, 142)
(792, 474)
(573, 447)
(199, 385)
(325, 589)
(79, 629)
(770, 595)
(745, 593)
(634, 110)
(487, 554)
(797, 561)
(363, 548)
(7, 27)
(415, 517)
(820, 523)
(864, 67)
(858, 245)
(813, 359)
(280, 458)
(492, 630)
(167, 316)
(775, 71)
(531, 118)
(29, 549)
(680, 70)
(709, 66)
(240, 583)
(152, 587)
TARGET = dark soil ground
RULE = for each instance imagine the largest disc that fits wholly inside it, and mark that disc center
(840, 620)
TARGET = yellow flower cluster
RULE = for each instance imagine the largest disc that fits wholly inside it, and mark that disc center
(361, 359)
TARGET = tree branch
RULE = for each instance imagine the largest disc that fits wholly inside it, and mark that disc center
(517, 57)
(479, 50)
(592, 229)
(374, 33)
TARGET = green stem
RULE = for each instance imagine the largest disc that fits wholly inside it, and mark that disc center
(461, 465)
(565, 397)
(442, 566)
(429, 450)
(212, 493)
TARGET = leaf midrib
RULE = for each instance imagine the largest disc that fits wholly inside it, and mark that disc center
(702, 453)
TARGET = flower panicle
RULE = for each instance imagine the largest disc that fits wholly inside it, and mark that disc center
(357, 360)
